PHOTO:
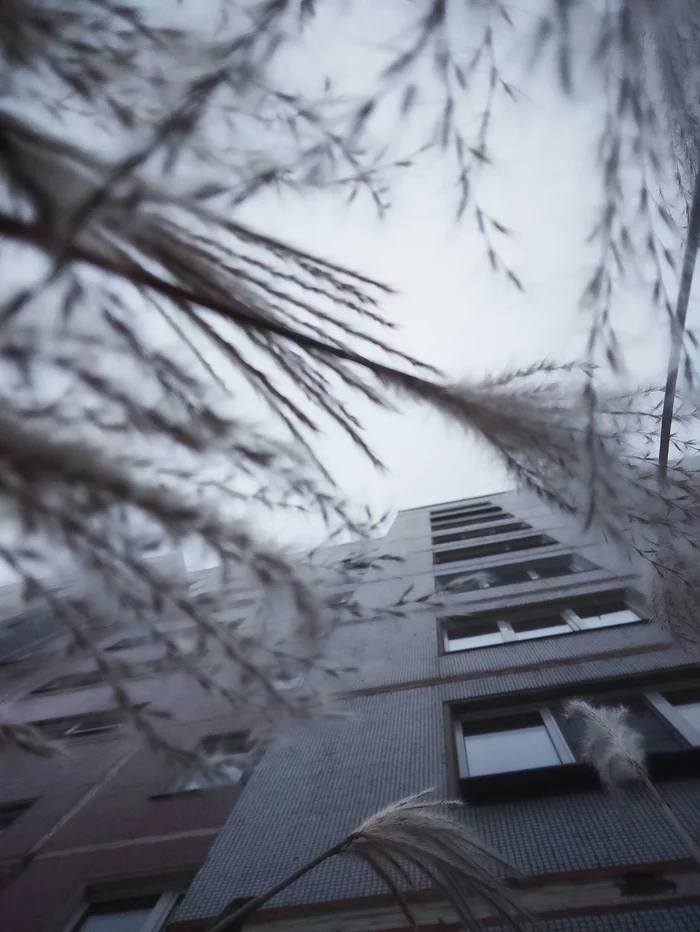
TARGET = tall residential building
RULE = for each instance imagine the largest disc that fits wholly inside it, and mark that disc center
(462, 692)
(106, 836)
(466, 696)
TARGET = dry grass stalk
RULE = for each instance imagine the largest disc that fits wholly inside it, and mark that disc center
(616, 751)
(118, 434)
(410, 837)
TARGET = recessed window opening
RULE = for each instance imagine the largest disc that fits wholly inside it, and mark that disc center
(513, 573)
(514, 741)
(490, 531)
(225, 762)
(457, 554)
(465, 632)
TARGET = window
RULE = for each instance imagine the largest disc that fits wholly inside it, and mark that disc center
(687, 702)
(475, 514)
(465, 632)
(95, 677)
(605, 614)
(537, 750)
(135, 914)
(496, 515)
(70, 681)
(525, 629)
(287, 681)
(513, 573)
(488, 550)
(10, 812)
(519, 742)
(226, 760)
(79, 726)
(480, 532)
(682, 708)
(138, 640)
(340, 599)
(660, 737)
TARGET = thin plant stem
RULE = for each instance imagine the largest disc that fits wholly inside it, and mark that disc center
(234, 920)
(690, 843)
(678, 328)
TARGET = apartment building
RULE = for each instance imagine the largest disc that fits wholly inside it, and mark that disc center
(461, 692)
(107, 836)
(465, 695)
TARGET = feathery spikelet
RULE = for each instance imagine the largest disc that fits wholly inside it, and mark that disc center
(411, 835)
(609, 743)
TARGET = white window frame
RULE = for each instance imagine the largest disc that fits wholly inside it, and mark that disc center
(558, 740)
(674, 717)
(154, 923)
(532, 574)
(662, 706)
(569, 617)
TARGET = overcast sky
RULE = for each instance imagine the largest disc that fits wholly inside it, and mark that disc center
(452, 310)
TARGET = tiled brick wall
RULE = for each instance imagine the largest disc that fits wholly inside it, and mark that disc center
(680, 919)
(322, 779)
(318, 784)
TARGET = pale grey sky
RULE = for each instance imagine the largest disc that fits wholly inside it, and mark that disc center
(452, 310)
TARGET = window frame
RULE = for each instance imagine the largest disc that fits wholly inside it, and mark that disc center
(475, 533)
(340, 598)
(678, 721)
(505, 618)
(461, 517)
(511, 544)
(571, 774)
(575, 559)
(132, 642)
(156, 922)
(468, 506)
(559, 742)
(47, 689)
(178, 783)
(44, 725)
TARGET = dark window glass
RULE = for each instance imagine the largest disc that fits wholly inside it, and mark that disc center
(125, 916)
(513, 573)
(657, 734)
(340, 599)
(604, 612)
(488, 550)
(687, 703)
(457, 518)
(226, 760)
(480, 532)
(518, 742)
(125, 643)
(460, 510)
(462, 635)
(541, 626)
(71, 681)
(81, 725)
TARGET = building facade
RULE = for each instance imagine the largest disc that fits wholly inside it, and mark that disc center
(464, 629)
(106, 836)
(464, 694)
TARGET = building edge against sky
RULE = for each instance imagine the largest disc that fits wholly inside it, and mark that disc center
(464, 696)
